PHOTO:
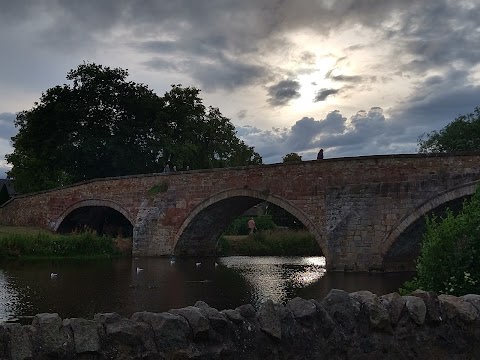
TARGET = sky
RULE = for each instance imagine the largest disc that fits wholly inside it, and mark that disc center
(354, 77)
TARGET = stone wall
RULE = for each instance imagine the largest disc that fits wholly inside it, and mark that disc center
(358, 325)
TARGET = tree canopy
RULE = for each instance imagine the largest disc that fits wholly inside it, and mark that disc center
(292, 157)
(462, 134)
(102, 125)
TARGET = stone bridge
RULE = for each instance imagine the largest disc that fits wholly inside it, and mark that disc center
(366, 213)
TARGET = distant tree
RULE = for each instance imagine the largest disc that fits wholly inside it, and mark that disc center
(292, 157)
(103, 125)
(462, 134)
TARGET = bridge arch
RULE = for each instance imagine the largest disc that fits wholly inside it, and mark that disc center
(92, 203)
(220, 210)
(420, 211)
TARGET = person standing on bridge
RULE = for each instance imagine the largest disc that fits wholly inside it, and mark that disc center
(320, 155)
(251, 226)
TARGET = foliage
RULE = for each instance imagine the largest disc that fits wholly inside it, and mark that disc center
(462, 134)
(43, 244)
(239, 225)
(158, 188)
(274, 243)
(292, 157)
(103, 125)
(448, 261)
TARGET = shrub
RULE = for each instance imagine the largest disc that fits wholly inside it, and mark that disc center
(53, 245)
(448, 262)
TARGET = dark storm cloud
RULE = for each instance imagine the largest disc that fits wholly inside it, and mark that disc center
(225, 44)
(347, 78)
(343, 78)
(434, 32)
(226, 73)
(439, 33)
(437, 109)
(303, 133)
(242, 114)
(284, 91)
(308, 57)
(162, 64)
(322, 94)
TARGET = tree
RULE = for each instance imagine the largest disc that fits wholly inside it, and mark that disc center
(292, 157)
(462, 134)
(201, 137)
(102, 125)
(448, 262)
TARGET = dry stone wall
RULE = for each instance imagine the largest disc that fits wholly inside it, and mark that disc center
(358, 325)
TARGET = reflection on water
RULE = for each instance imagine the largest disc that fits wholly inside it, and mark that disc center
(8, 297)
(276, 278)
(83, 288)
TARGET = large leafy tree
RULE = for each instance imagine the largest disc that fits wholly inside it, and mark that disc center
(200, 137)
(462, 134)
(102, 125)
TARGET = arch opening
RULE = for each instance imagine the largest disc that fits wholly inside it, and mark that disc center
(202, 230)
(403, 253)
(103, 220)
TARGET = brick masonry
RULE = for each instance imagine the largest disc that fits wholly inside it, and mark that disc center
(356, 207)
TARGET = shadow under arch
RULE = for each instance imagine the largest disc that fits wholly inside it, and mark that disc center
(92, 203)
(198, 234)
(449, 198)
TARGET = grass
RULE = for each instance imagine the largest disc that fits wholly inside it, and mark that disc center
(20, 230)
(270, 242)
(24, 242)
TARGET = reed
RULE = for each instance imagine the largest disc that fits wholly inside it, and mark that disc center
(31, 244)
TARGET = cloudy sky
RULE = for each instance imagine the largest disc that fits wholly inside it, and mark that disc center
(355, 77)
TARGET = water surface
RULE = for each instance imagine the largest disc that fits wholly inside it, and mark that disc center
(82, 288)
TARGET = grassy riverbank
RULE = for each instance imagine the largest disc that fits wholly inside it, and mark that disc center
(16, 242)
(270, 242)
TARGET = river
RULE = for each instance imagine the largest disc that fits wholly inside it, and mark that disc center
(82, 288)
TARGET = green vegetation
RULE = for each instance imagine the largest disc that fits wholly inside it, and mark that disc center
(275, 243)
(158, 188)
(462, 134)
(18, 242)
(102, 125)
(292, 157)
(449, 259)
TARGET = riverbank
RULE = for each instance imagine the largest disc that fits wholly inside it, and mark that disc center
(25, 242)
(270, 242)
